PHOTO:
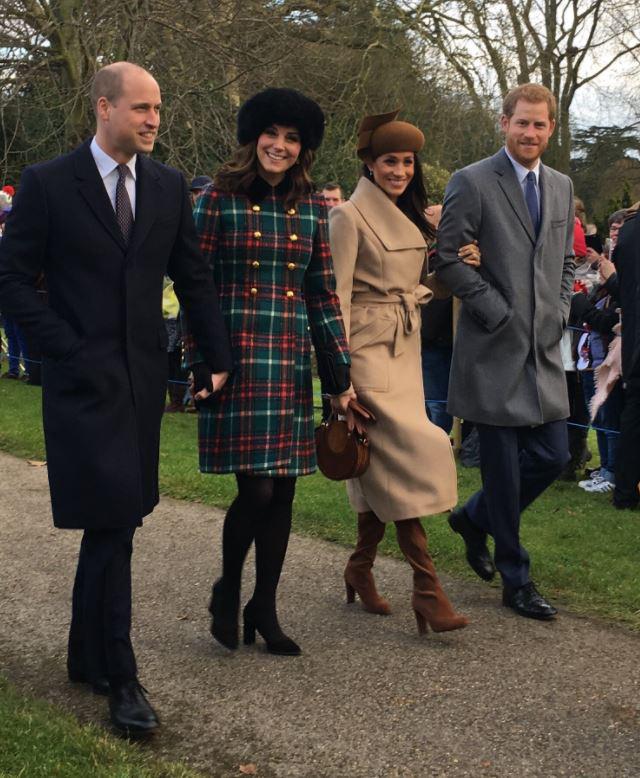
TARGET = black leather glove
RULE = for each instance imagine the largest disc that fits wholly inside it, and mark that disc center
(335, 378)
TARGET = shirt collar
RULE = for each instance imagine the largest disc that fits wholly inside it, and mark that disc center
(521, 170)
(107, 164)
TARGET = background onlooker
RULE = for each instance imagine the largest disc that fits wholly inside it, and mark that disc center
(197, 185)
(627, 258)
(333, 194)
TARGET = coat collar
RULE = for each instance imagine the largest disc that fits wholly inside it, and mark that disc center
(91, 187)
(395, 231)
(508, 182)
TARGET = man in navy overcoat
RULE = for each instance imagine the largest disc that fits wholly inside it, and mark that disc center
(106, 223)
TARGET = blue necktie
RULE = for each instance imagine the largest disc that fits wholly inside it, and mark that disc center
(532, 201)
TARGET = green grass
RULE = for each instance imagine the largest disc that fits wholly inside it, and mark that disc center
(584, 553)
(39, 741)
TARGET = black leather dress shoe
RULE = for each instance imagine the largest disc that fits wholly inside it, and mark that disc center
(527, 601)
(475, 540)
(130, 709)
(98, 685)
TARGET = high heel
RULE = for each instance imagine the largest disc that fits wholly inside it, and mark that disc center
(277, 642)
(248, 633)
(351, 593)
(358, 577)
(224, 622)
(421, 622)
(430, 604)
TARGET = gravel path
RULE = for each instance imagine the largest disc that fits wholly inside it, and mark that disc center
(369, 697)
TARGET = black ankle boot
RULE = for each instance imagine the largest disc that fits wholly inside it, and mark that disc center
(266, 623)
(224, 607)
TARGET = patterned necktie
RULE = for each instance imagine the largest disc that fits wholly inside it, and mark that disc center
(124, 214)
(531, 198)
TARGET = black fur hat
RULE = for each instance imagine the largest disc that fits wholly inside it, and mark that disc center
(281, 106)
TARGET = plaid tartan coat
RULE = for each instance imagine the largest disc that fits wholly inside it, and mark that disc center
(274, 274)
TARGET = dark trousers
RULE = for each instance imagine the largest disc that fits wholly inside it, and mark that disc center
(628, 460)
(99, 637)
(436, 365)
(517, 464)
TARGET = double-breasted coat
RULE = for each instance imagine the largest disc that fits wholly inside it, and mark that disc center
(272, 266)
(507, 368)
(379, 259)
(103, 337)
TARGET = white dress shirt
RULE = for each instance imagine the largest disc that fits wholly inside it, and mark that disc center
(108, 169)
(521, 174)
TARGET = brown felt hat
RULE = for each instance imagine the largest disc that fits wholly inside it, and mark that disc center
(381, 134)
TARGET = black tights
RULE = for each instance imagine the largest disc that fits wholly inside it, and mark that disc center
(261, 512)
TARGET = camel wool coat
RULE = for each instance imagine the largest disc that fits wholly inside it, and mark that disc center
(379, 260)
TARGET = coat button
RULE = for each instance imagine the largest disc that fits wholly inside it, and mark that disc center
(291, 211)
(257, 234)
(293, 237)
(291, 266)
(289, 293)
(255, 263)
(255, 208)
(254, 290)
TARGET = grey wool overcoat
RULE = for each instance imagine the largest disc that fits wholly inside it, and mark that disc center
(507, 369)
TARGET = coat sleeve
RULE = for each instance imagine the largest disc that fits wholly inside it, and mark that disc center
(323, 311)
(460, 224)
(23, 252)
(343, 235)
(205, 333)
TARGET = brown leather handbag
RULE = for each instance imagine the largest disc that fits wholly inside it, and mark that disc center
(342, 453)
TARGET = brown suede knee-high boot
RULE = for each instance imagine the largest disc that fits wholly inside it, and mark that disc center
(357, 575)
(429, 601)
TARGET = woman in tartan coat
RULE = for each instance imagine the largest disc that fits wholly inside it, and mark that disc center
(265, 235)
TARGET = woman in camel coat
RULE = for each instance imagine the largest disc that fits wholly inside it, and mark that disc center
(379, 243)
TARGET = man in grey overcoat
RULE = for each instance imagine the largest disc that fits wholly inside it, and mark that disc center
(507, 374)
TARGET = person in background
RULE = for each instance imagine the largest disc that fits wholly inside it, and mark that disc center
(596, 312)
(436, 338)
(627, 261)
(264, 234)
(332, 194)
(197, 186)
(177, 378)
(578, 421)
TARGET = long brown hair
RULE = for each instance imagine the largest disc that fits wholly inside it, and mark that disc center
(414, 200)
(238, 174)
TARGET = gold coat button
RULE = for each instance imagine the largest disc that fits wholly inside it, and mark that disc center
(254, 290)
(255, 208)
(257, 234)
(293, 237)
(291, 266)
(255, 263)
(291, 211)
(289, 293)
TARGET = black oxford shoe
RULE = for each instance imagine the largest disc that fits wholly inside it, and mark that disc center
(527, 601)
(130, 709)
(98, 685)
(475, 541)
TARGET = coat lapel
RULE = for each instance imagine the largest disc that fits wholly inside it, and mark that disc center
(546, 198)
(508, 182)
(148, 195)
(386, 220)
(91, 187)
